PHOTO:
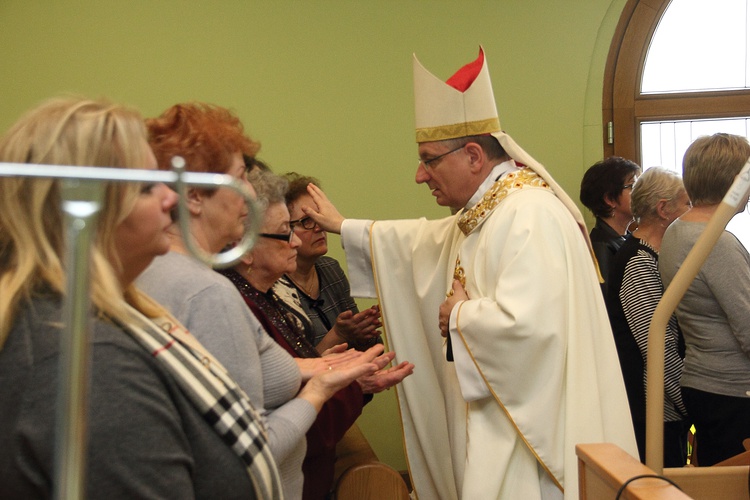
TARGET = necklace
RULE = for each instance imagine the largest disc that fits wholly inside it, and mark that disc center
(648, 236)
(310, 286)
(284, 322)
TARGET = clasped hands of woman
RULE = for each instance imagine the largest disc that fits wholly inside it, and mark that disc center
(355, 328)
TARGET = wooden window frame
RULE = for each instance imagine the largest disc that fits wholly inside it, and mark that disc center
(622, 103)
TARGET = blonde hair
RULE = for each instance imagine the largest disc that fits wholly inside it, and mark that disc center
(655, 184)
(65, 131)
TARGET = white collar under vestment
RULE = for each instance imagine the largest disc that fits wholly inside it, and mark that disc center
(497, 172)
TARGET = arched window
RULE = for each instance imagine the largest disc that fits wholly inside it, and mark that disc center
(676, 70)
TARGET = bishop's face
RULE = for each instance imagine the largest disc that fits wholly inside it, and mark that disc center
(446, 171)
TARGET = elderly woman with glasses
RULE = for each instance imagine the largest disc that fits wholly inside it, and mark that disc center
(320, 283)
(273, 255)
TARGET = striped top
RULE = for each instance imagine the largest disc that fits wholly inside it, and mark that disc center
(635, 291)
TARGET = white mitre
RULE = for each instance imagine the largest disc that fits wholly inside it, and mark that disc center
(446, 111)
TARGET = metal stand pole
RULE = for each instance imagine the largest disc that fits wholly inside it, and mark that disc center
(668, 303)
(81, 206)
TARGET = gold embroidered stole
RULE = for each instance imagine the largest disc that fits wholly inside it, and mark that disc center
(473, 217)
(506, 185)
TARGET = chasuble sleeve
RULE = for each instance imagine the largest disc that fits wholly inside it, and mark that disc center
(413, 262)
(355, 238)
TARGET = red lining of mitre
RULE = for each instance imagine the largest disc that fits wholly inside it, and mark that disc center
(464, 77)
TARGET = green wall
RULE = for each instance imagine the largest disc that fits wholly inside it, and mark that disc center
(326, 85)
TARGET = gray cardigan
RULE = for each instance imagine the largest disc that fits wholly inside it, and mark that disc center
(212, 309)
(146, 439)
(714, 314)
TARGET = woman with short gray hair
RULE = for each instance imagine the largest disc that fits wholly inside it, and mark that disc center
(658, 198)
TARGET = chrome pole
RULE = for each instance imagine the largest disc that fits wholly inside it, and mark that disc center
(176, 177)
(668, 303)
(81, 205)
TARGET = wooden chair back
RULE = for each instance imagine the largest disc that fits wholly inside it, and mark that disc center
(371, 481)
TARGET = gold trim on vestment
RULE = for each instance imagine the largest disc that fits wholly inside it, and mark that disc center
(458, 274)
(506, 185)
(502, 406)
(455, 130)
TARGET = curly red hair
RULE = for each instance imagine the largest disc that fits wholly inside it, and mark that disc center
(205, 135)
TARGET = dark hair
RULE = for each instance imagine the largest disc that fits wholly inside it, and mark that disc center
(251, 163)
(488, 143)
(605, 179)
(297, 186)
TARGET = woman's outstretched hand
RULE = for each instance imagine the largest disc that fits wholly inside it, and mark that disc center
(359, 327)
(336, 355)
(385, 378)
(341, 369)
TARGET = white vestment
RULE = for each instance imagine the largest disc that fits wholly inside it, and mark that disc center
(535, 329)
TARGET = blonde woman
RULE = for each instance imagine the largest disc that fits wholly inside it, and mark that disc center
(155, 393)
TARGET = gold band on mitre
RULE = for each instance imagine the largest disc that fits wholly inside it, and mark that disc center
(443, 132)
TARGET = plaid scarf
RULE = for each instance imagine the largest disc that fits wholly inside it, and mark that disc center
(213, 392)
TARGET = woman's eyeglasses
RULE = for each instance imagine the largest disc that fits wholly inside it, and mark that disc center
(281, 237)
(305, 222)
